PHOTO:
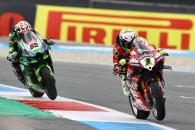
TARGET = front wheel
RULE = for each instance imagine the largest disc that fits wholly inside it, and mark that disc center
(158, 109)
(139, 114)
(49, 83)
(35, 93)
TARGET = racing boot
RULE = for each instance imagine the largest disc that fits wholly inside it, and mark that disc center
(125, 88)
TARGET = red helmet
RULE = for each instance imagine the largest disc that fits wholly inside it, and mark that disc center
(22, 26)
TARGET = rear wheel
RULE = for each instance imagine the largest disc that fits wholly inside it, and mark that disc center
(35, 93)
(139, 114)
(158, 109)
(49, 83)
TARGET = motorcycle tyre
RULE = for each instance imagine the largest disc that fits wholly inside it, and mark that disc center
(159, 103)
(141, 114)
(49, 83)
(35, 93)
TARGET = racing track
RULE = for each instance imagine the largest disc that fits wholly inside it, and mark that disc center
(96, 84)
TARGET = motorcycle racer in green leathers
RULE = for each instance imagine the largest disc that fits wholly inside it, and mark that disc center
(14, 52)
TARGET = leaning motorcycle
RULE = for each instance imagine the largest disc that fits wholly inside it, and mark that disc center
(34, 63)
(148, 64)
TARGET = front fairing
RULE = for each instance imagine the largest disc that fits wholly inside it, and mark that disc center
(141, 55)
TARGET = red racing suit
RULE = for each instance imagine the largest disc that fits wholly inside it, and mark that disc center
(118, 54)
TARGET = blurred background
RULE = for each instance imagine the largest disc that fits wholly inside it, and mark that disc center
(165, 24)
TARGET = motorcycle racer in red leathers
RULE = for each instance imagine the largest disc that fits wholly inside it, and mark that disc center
(121, 53)
(125, 42)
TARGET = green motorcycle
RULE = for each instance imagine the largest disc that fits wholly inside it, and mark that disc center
(34, 63)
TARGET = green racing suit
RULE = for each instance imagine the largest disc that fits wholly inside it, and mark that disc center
(15, 53)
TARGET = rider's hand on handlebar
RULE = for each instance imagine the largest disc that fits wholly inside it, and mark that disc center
(122, 62)
(50, 42)
(163, 52)
(13, 56)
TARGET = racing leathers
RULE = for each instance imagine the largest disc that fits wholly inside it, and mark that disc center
(15, 53)
(120, 58)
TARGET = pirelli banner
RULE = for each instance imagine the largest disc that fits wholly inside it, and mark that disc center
(100, 26)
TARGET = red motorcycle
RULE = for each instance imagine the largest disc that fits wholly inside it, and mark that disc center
(148, 64)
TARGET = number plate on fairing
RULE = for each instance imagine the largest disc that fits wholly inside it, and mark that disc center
(32, 45)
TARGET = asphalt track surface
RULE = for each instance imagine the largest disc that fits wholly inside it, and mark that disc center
(96, 84)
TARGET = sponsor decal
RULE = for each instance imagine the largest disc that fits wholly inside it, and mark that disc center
(115, 52)
(101, 26)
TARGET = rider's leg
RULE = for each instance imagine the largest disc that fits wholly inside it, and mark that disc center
(18, 72)
(125, 88)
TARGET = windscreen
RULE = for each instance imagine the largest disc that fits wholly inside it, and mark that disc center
(33, 44)
(141, 46)
(29, 36)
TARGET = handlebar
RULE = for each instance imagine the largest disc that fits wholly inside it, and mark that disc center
(167, 67)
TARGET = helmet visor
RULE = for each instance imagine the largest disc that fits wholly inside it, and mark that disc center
(126, 44)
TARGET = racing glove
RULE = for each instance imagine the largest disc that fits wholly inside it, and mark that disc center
(120, 68)
(49, 42)
(163, 52)
(13, 56)
(122, 62)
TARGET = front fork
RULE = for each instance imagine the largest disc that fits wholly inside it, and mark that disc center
(160, 81)
(37, 72)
